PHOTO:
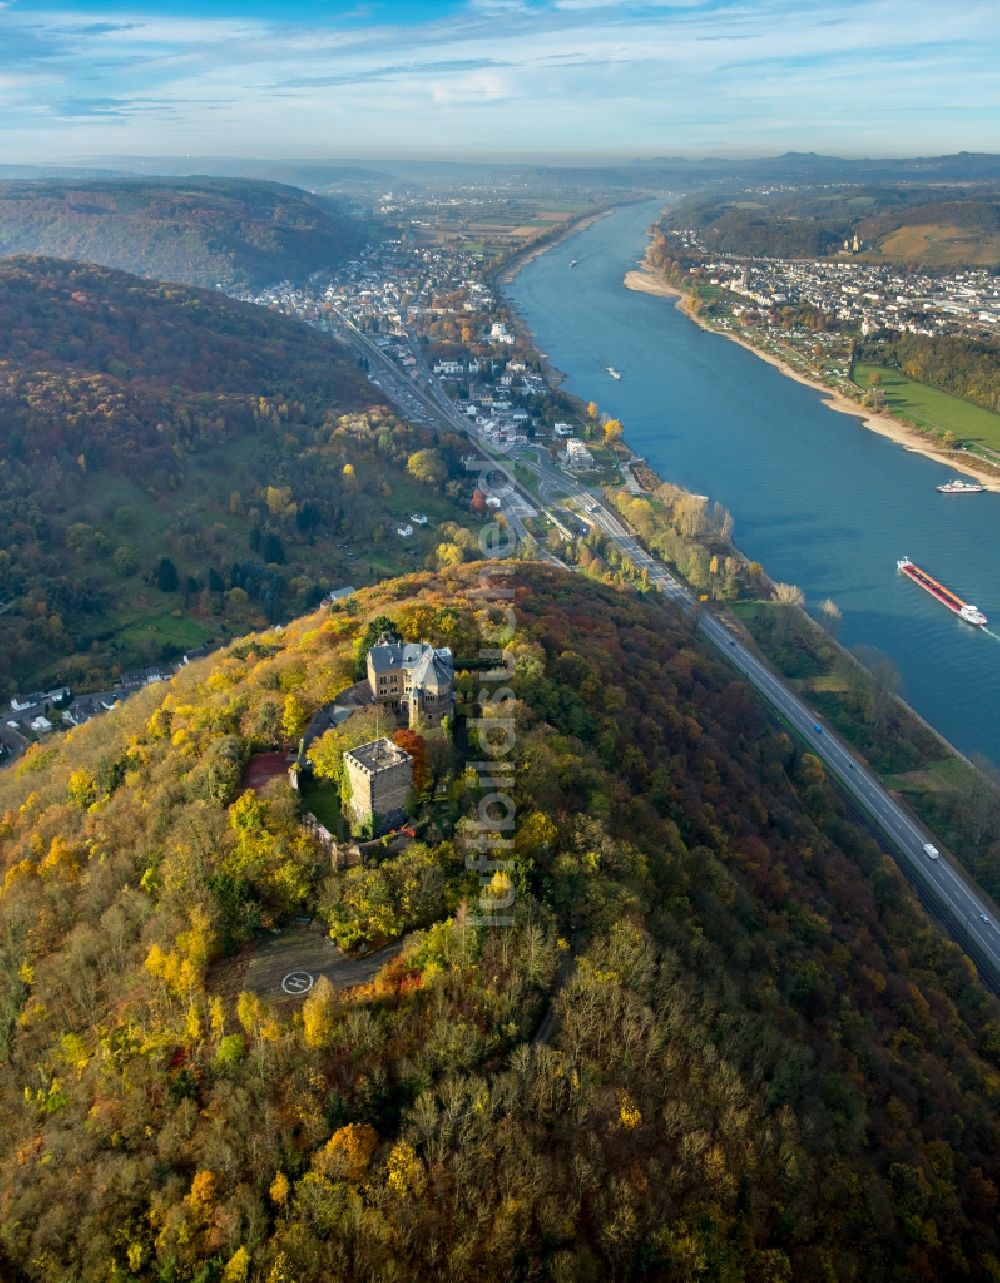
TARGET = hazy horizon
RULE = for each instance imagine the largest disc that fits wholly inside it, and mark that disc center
(496, 80)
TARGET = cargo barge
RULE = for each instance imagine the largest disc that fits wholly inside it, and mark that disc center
(971, 614)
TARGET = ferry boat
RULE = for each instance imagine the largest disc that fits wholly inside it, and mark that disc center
(958, 486)
(614, 373)
(971, 614)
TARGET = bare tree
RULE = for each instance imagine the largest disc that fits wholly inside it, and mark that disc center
(789, 595)
(885, 682)
(830, 616)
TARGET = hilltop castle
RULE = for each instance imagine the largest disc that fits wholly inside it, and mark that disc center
(379, 779)
(412, 679)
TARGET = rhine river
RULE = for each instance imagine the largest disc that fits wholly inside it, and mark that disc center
(818, 499)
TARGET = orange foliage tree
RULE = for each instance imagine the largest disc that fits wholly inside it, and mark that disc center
(414, 744)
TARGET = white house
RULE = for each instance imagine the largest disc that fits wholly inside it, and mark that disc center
(577, 456)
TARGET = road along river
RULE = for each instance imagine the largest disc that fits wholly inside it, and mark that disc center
(818, 499)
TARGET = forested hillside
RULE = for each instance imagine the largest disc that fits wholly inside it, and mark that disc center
(174, 464)
(912, 226)
(763, 1062)
(204, 231)
(761, 226)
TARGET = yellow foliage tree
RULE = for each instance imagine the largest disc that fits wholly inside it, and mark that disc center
(348, 1152)
(81, 788)
(499, 894)
(217, 1017)
(535, 833)
(60, 860)
(319, 1012)
(449, 554)
(201, 1195)
(280, 1189)
(405, 1171)
(250, 1013)
(629, 1114)
(192, 1026)
(293, 717)
(237, 1267)
(279, 501)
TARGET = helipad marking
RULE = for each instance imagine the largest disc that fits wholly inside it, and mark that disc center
(298, 982)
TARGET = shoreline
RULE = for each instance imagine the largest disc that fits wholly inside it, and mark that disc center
(523, 257)
(647, 280)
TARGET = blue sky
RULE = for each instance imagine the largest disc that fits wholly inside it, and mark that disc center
(581, 78)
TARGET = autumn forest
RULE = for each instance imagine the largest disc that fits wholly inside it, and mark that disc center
(720, 1040)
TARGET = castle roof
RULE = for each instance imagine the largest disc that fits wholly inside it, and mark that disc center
(378, 755)
(427, 666)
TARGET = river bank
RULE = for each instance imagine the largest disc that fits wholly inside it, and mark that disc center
(907, 717)
(647, 280)
(523, 257)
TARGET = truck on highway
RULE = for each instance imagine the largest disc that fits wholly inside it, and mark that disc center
(931, 851)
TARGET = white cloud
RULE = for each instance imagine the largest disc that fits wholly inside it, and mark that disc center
(661, 74)
(473, 87)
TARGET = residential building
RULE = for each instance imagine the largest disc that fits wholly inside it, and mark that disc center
(578, 457)
(412, 679)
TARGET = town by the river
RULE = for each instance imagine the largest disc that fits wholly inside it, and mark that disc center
(818, 499)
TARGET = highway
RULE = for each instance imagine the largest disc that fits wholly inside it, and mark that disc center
(961, 908)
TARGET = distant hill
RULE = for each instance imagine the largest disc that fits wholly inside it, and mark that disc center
(314, 175)
(713, 1035)
(143, 423)
(923, 226)
(229, 232)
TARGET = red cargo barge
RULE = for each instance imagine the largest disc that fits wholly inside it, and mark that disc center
(971, 614)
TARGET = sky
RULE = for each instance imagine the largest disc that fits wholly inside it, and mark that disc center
(583, 79)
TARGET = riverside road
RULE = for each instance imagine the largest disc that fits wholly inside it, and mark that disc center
(958, 904)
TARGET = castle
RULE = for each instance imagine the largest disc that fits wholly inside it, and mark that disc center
(379, 779)
(412, 680)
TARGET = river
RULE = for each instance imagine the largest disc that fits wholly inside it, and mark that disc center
(818, 499)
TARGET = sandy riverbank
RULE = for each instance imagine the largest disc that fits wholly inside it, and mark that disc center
(648, 281)
(531, 252)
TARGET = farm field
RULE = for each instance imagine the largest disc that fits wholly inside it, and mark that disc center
(932, 410)
(506, 225)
